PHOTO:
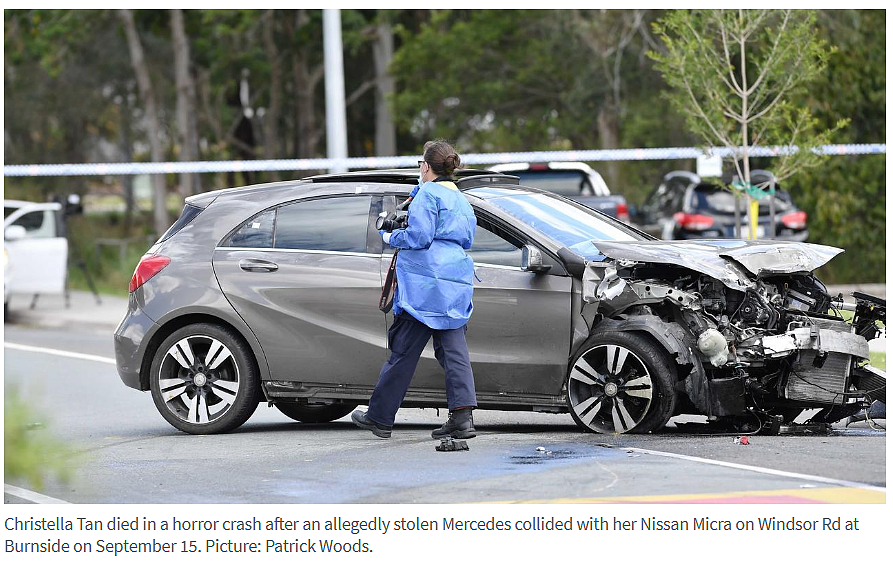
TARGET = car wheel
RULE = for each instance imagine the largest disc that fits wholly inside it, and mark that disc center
(204, 379)
(314, 413)
(621, 382)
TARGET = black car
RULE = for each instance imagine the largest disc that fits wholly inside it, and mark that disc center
(685, 207)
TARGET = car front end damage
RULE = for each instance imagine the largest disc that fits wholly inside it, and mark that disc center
(755, 336)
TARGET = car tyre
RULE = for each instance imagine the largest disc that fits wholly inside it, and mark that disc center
(314, 413)
(204, 379)
(621, 382)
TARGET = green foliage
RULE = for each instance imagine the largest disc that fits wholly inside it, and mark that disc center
(845, 198)
(30, 452)
(490, 80)
(733, 74)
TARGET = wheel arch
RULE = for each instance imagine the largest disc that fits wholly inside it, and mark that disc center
(175, 323)
(692, 379)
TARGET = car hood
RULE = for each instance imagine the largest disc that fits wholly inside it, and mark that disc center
(733, 262)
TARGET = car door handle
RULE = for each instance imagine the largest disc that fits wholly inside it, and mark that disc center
(258, 265)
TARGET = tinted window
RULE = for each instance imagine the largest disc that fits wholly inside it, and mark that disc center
(189, 212)
(715, 199)
(31, 221)
(257, 232)
(493, 249)
(335, 224)
(567, 183)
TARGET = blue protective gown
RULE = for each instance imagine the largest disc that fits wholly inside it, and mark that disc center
(434, 274)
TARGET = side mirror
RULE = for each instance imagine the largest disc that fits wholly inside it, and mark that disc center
(532, 260)
(14, 232)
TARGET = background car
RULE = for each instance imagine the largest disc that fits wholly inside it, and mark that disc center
(685, 207)
(35, 241)
(575, 180)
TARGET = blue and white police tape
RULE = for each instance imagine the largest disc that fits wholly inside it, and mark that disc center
(627, 154)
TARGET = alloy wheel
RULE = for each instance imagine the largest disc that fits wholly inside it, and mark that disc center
(610, 389)
(198, 379)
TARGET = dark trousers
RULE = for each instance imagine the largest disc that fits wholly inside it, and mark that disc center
(407, 338)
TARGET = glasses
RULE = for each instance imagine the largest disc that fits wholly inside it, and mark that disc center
(421, 162)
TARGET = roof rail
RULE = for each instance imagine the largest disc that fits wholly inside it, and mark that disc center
(465, 178)
(486, 179)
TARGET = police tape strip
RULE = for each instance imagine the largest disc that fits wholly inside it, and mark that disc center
(630, 154)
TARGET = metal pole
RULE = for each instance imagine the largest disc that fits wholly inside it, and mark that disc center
(336, 114)
(771, 232)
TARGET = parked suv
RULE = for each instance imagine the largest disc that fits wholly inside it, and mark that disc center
(271, 292)
(685, 207)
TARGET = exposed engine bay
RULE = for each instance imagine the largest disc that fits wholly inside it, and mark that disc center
(756, 338)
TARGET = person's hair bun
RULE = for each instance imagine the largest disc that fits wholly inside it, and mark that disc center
(451, 163)
(441, 157)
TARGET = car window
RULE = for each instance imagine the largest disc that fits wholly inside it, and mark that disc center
(490, 248)
(256, 232)
(7, 210)
(37, 224)
(568, 183)
(331, 224)
(710, 198)
(189, 212)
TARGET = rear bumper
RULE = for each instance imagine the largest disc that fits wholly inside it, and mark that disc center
(130, 337)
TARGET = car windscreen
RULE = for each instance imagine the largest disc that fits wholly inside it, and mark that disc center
(565, 223)
(706, 197)
(570, 183)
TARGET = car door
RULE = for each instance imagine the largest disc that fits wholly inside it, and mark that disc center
(519, 332)
(304, 279)
(39, 261)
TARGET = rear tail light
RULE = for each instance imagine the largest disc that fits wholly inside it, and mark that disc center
(695, 222)
(149, 266)
(538, 167)
(623, 212)
(794, 220)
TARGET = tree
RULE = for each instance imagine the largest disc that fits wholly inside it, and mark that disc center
(138, 60)
(733, 74)
(186, 105)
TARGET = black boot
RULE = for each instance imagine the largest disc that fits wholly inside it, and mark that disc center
(360, 419)
(459, 425)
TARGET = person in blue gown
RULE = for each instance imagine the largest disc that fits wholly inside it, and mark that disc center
(433, 299)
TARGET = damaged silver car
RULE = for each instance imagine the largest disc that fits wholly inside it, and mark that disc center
(269, 293)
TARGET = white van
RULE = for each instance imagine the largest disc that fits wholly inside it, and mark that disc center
(35, 248)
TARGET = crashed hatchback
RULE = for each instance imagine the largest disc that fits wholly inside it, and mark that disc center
(269, 293)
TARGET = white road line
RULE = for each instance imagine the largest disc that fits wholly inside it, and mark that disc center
(766, 471)
(57, 352)
(32, 496)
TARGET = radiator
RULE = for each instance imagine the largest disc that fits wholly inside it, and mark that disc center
(822, 385)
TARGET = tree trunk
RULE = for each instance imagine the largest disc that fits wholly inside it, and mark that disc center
(161, 219)
(307, 133)
(274, 112)
(383, 53)
(609, 139)
(186, 104)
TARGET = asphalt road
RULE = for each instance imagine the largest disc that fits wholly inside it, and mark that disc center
(124, 452)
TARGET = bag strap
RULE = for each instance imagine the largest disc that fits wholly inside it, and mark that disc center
(386, 302)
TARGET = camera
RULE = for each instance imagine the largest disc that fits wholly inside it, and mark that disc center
(390, 221)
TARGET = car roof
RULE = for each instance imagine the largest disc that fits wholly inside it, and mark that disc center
(12, 203)
(373, 181)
